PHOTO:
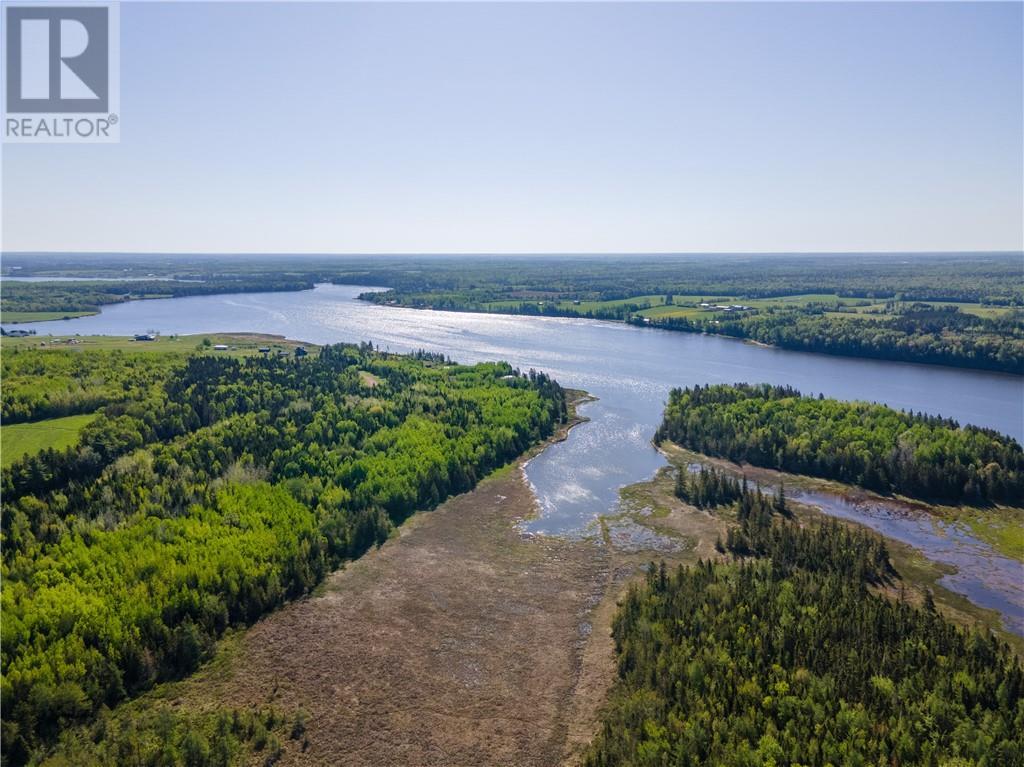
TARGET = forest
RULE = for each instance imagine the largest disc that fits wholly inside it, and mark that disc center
(866, 444)
(50, 385)
(208, 491)
(463, 282)
(756, 664)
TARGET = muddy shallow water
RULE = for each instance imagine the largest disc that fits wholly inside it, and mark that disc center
(983, 575)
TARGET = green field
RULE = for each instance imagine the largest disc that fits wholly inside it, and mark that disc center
(21, 439)
(239, 344)
(18, 317)
(688, 306)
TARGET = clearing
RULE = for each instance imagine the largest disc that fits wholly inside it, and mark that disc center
(18, 439)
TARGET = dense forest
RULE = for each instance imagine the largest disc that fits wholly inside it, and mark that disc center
(161, 735)
(757, 664)
(791, 659)
(916, 333)
(210, 490)
(861, 443)
(48, 385)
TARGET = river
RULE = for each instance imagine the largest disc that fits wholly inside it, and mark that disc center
(630, 370)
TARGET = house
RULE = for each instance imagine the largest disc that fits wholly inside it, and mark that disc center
(300, 351)
(220, 347)
(264, 350)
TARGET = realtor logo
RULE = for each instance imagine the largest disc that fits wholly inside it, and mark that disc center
(60, 79)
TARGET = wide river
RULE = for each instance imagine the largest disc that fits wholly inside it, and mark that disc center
(630, 370)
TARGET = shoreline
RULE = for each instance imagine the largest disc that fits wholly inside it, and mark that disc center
(656, 326)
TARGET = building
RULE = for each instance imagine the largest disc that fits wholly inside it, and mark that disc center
(220, 347)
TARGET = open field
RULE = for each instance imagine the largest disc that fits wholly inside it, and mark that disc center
(688, 306)
(19, 317)
(239, 344)
(20, 439)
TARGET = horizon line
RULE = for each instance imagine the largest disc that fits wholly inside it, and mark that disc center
(530, 254)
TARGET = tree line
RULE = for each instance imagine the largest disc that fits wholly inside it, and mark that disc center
(91, 295)
(984, 278)
(919, 333)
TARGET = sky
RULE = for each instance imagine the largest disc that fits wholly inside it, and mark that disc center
(544, 127)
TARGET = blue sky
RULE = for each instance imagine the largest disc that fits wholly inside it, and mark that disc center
(544, 127)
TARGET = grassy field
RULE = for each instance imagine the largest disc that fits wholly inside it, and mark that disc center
(21, 439)
(239, 344)
(18, 317)
(688, 306)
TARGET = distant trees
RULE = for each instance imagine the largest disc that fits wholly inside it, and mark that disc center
(870, 445)
(214, 493)
(90, 295)
(463, 282)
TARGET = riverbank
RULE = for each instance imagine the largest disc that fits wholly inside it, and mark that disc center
(778, 324)
(23, 318)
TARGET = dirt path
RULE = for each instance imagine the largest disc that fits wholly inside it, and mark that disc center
(458, 642)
